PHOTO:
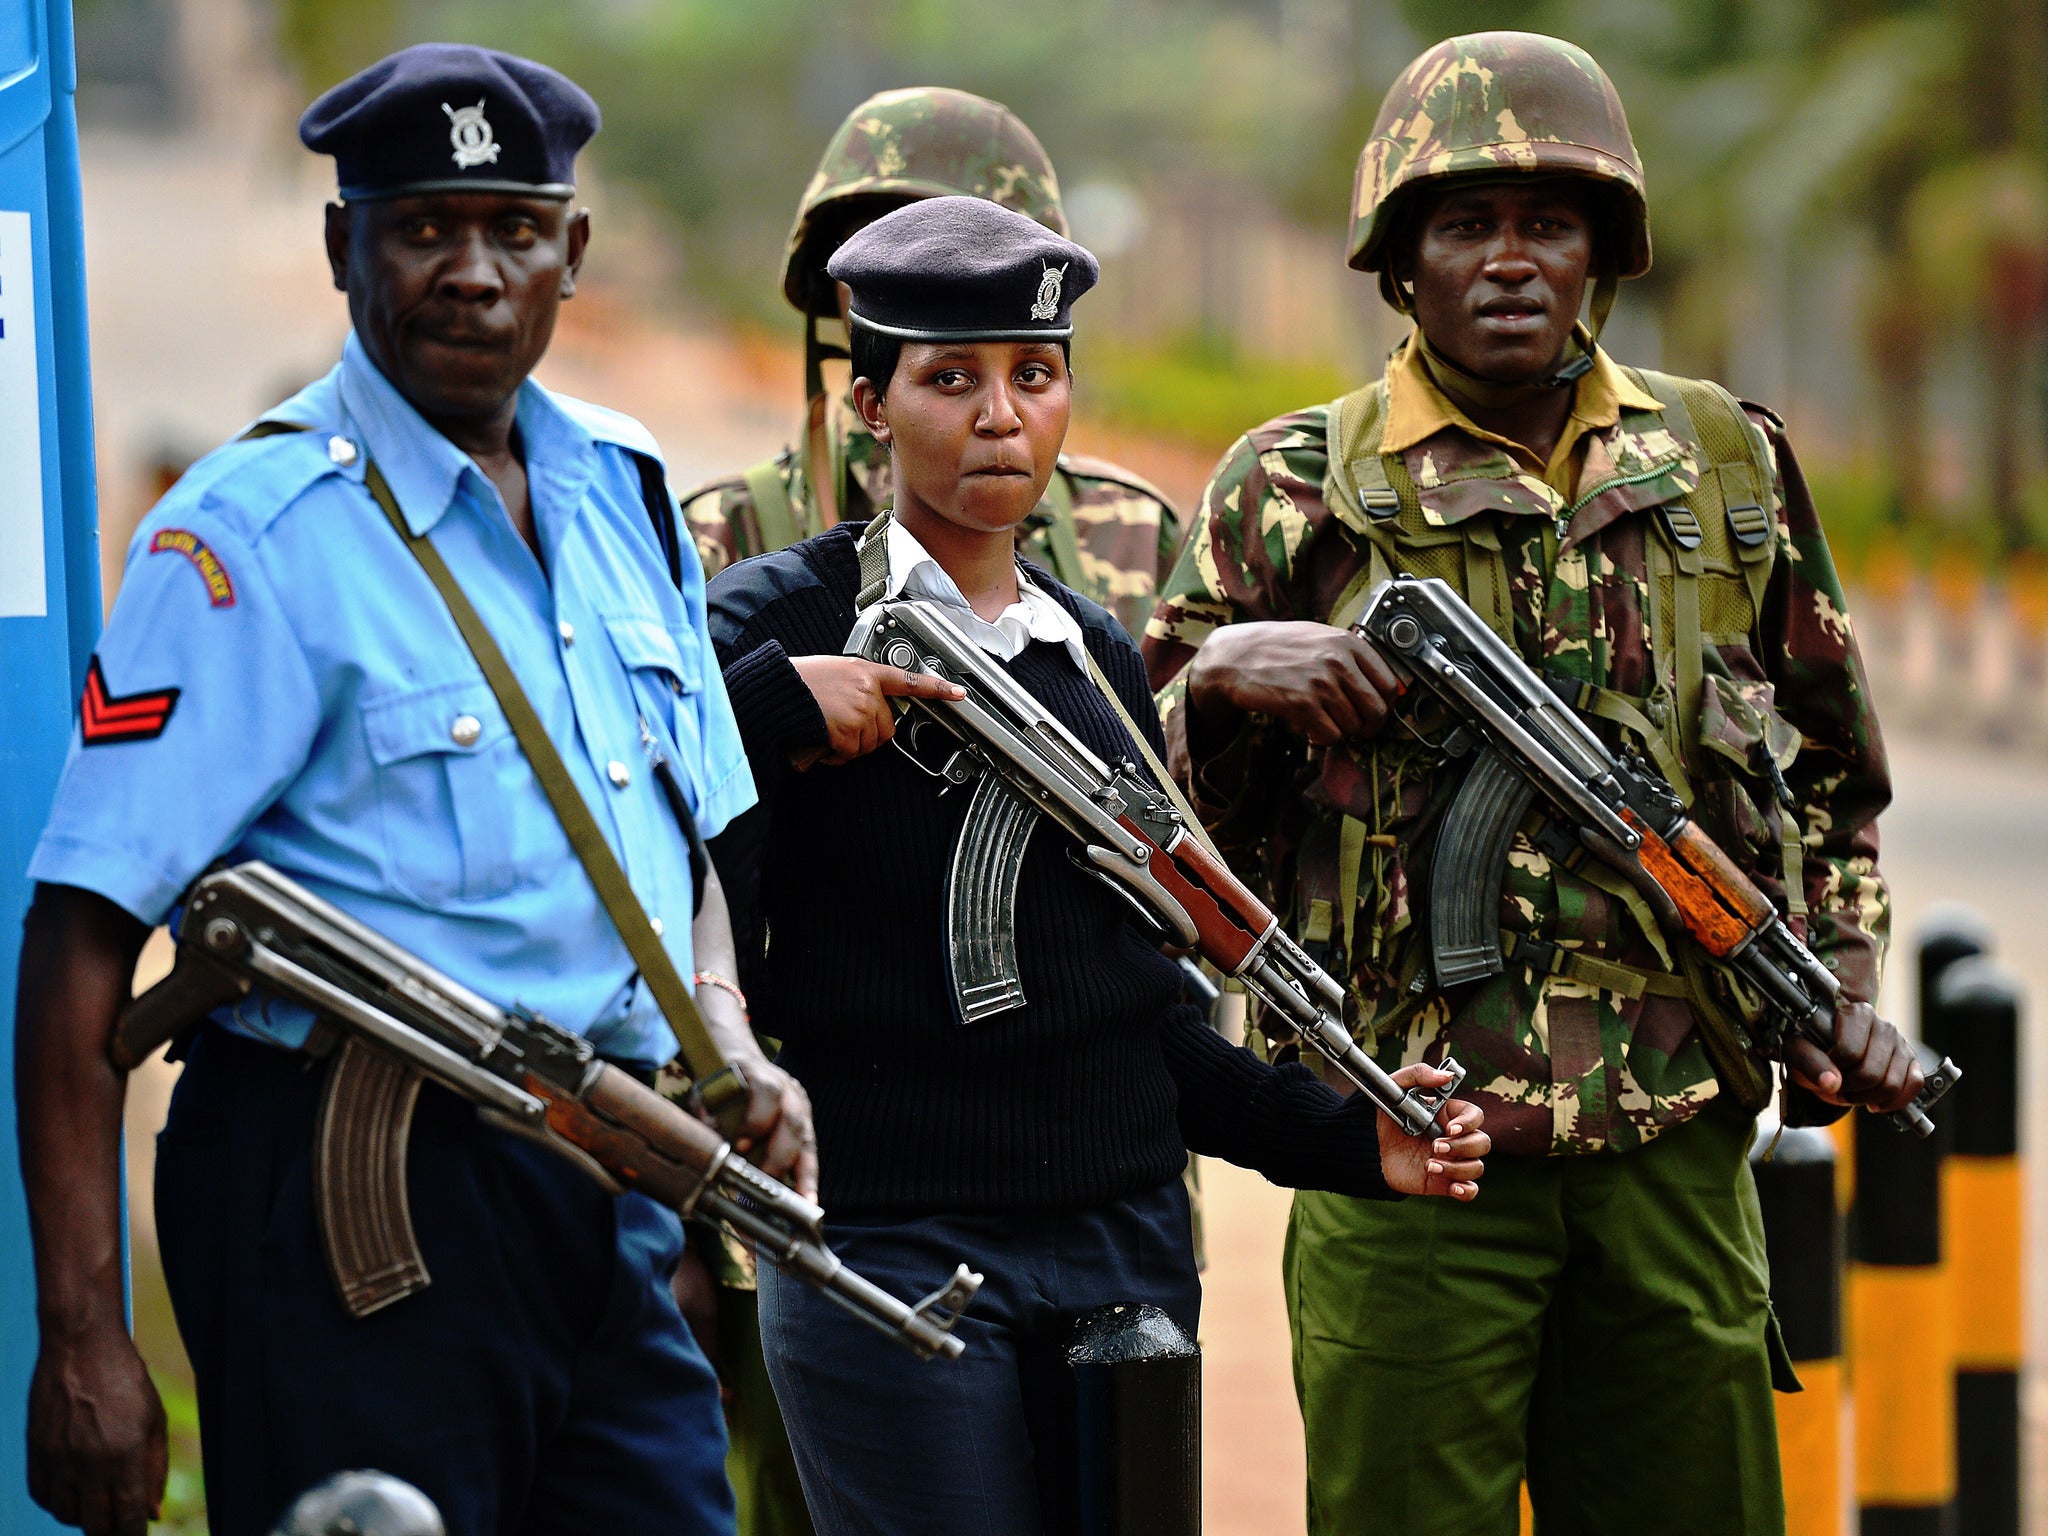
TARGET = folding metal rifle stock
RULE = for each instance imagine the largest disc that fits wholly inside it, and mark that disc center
(1527, 744)
(392, 1022)
(1025, 765)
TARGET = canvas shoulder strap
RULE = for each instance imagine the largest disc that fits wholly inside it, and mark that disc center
(773, 513)
(718, 1082)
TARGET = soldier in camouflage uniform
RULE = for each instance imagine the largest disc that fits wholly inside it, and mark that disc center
(1652, 546)
(1101, 529)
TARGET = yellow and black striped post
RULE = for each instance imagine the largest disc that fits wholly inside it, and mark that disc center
(1951, 931)
(1901, 1332)
(1795, 1187)
(1975, 1018)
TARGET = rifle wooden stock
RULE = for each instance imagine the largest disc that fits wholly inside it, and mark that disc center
(1714, 899)
(1229, 919)
(636, 1136)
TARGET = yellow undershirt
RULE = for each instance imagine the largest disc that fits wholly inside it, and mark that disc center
(1418, 410)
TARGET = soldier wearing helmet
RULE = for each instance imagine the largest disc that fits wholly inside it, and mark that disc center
(1101, 529)
(1649, 544)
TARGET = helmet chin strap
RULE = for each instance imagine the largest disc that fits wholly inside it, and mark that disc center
(1493, 395)
(817, 349)
(1489, 394)
(1606, 289)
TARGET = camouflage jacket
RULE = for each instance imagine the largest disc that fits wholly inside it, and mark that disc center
(1560, 1066)
(1124, 532)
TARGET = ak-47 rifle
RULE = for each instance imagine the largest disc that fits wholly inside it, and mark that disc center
(392, 1022)
(1028, 765)
(1528, 743)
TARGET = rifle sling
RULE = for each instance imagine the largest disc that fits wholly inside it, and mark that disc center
(719, 1084)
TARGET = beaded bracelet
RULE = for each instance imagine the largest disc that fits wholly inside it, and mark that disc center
(726, 985)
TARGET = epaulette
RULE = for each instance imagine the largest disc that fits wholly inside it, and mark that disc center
(254, 479)
(1086, 467)
(609, 426)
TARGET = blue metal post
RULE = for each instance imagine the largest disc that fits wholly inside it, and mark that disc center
(49, 572)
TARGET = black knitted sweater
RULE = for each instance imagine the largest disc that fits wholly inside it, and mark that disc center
(1094, 1089)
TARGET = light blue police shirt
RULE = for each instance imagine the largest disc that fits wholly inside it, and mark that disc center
(328, 718)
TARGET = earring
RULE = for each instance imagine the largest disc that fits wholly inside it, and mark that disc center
(568, 286)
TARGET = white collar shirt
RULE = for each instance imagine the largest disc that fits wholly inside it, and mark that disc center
(1036, 615)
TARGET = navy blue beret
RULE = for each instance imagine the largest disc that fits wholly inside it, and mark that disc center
(447, 117)
(963, 269)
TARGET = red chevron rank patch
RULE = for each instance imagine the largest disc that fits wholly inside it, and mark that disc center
(105, 721)
(220, 588)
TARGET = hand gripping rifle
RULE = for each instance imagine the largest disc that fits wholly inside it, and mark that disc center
(393, 1022)
(1027, 765)
(1530, 744)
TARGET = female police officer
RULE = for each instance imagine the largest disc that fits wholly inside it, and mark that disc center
(1046, 1143)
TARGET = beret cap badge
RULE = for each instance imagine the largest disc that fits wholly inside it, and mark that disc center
(956, 268)
(1047, 305)
(469, 132)
(513, 126)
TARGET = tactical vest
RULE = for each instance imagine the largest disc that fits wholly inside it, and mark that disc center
(1709, 561)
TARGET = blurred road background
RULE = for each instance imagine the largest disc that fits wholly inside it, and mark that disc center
(1850, 202)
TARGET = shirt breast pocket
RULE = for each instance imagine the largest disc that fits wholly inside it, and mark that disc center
(453, 791)
(664, 671)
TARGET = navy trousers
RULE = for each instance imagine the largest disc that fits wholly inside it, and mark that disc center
(890, 1445)
(544, 1383)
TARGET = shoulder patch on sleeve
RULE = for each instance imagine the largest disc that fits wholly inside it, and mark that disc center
(220, 587)
(609, 426)
(1085, 467)
(106, 719)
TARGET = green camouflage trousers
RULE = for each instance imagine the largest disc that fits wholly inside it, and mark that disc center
(1601, 1324)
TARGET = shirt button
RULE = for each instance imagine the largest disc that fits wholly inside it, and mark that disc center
(567, 631)
(655, 924)
(341, 451)
(465, 730)
(618, 773)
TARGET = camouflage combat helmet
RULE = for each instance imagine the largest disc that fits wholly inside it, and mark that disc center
(926, 141)
(1491, 104)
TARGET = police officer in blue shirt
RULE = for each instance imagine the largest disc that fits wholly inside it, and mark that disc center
(279, 680)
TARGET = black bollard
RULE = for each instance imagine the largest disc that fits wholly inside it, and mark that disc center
(1902, 1331)
(1976, 1018)
(1803, 1236)
(1137, 1384)
(1949, 932)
